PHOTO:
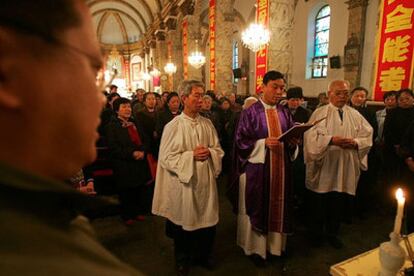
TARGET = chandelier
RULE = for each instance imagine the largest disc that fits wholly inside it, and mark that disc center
(170, 68)
(255, 37)
(196, 58)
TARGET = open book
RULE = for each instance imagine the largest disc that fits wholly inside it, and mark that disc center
(297, 130)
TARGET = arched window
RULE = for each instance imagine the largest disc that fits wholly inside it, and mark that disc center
(235, 59)
(321, 43)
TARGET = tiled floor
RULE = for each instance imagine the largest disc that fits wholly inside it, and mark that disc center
(145, 246)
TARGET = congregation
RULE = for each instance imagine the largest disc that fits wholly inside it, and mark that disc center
(165, 153)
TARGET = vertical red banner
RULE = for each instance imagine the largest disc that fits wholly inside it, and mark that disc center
(127, 73)
(170, 77)
(395, 62)
(212, 30)
(262, 17)
(185, 49)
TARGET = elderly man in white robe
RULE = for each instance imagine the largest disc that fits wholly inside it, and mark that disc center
(185, 190)
(335, 152)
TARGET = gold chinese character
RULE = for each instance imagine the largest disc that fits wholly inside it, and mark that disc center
(395, 49)
(399, 19)
(259, 81)
(261, 53)
(391, 79)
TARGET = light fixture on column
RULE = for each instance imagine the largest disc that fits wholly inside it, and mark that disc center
(255, 37)
(196, 58)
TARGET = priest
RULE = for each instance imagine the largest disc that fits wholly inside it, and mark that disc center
(185, 190)
(264, 164)
(335, 152)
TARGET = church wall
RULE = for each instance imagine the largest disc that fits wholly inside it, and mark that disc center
(303, 33)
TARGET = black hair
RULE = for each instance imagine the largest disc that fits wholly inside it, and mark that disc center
(359, 88)
(45, 19)
(113, 86)
(272, 75)
(389, 94)
(224, 99)
(172, 95)
(405, 90)
(117, 103)
(146, 95)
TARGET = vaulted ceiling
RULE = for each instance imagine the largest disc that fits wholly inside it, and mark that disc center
(123, 21)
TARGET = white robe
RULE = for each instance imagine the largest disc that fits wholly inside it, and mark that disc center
(330, 168)
(185, 190)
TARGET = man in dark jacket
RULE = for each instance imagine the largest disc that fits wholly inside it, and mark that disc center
(48, 135)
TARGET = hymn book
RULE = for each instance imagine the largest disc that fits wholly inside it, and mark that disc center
(297, 130)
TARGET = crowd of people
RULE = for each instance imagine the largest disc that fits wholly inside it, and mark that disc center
(167, 151)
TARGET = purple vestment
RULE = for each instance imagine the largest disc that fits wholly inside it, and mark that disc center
(252, 126)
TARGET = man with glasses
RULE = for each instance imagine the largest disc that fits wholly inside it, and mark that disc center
(335, 151)
(48, 135)
(263, 168)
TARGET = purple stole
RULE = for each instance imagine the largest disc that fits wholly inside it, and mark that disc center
(277, 175)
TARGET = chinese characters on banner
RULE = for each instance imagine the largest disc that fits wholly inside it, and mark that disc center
(394, 66)
(170, 77)
(262, 17)
(185, 49)
(127, 74)
(212, 29)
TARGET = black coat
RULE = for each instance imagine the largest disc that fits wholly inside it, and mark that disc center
(128, 172)
(163, 118)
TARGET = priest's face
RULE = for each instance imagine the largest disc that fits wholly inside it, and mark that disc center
(273, 91)
(338, 93)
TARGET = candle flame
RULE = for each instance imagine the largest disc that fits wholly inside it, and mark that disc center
(399, 194)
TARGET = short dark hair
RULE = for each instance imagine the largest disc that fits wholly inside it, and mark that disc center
(113, 86)
(45, 19)
(117, 103)
(224, 99)
(272, 75)
(389, 94)
(146, 95)
(172, 95)
(359, 88)
(405, 90)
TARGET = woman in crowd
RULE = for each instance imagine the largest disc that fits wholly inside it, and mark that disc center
(395, 126)
(172, 109)
(147, 117)
(128, 146)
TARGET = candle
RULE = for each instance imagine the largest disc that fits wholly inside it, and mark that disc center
(400, 211)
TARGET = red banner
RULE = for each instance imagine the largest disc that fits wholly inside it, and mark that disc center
(212, 29)
(262, 17)
(395, 62)
(185, 49)
(127, 73)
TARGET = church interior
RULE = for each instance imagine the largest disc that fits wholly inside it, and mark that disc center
(148, 44)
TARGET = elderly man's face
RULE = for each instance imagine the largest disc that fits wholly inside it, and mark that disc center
(339, 93)
(194, 101)
(62, 110)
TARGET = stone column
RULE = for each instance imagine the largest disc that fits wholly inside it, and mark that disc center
(160, 61)
(176, 56)
(280, 54)
(354, 47)
(224, 47)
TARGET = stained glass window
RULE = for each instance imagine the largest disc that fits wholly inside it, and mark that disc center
(235, 59)
(321, 43)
